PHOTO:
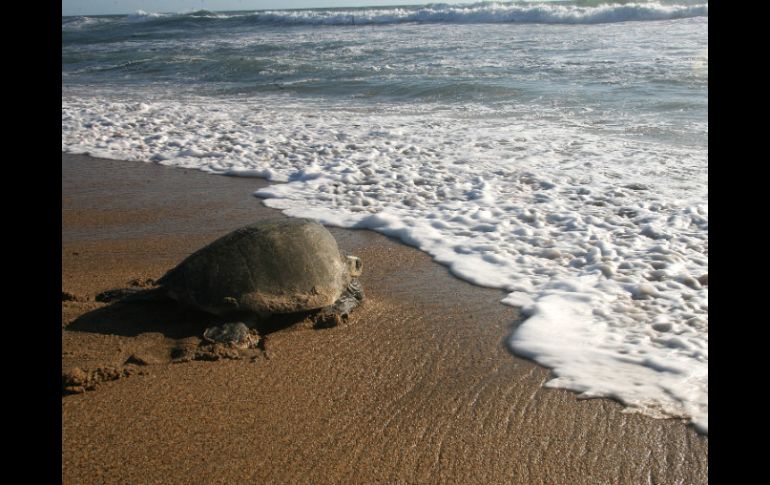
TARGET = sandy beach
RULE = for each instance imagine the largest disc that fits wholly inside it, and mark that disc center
(417, 387)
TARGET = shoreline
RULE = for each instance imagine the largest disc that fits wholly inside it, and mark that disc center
(419, 386)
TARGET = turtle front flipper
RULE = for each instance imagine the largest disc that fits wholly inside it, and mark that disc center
(335, 314)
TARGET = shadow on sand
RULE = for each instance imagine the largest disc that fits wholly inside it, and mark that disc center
(131, 317)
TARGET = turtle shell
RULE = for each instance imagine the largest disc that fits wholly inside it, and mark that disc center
(274, 266)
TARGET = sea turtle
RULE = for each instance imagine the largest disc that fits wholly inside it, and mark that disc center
(273, 266)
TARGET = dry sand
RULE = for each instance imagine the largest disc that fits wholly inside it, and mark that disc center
(417, 387)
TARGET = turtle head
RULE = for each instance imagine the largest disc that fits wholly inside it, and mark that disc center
(354, 265)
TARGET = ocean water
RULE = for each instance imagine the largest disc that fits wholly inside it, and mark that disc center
(556, 151)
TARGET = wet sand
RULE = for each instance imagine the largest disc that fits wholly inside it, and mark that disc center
(417, 387)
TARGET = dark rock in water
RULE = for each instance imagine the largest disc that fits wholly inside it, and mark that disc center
(274, 266)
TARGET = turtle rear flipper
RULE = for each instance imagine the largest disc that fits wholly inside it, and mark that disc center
(235, 334)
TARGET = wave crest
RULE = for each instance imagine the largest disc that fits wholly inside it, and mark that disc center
(487, 12)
